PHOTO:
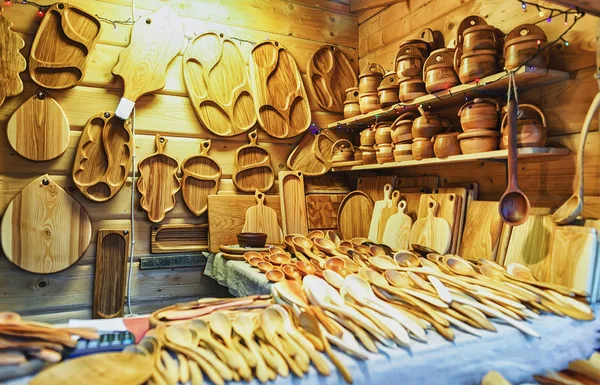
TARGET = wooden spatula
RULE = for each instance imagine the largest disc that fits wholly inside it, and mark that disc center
(263, 219)
(377, 211)
(386, 213)
(397, 229)
(432, 232)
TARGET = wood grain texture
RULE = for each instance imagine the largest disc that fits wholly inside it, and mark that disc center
(263, 219)
(218, 84)
(179, 238)
(281, 100)
(110, 273)
(413, 201)
(530, 243)
(38, 130)
(312, 155)
(11, 60)
(252, 167)
(373, 185)
(386, 213)
(449, 208)
(44, 230)
(322, 210)
(461, 212)
(429, 182)
(431, 231)
(397, 229)
(158, 183)
(378, 208)
(201, 175)
(352, 214)
(103, 158)
(364, 5)
(294, 218)
(483, 227)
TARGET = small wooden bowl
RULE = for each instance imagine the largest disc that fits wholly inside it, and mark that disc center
(422, 148)
(292, 272)
(335, 262)
(406, 258)
(252, 239)
(252, 254)
(305, 268)
(275, 275)
(474, 141)
(254, 261)
(264, 266)
(278, 259)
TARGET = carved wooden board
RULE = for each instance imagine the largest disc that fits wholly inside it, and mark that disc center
(217, 82)
(263, 219)
(45, 230)
(293, 203)
(201, 175)
(11, 60)
(252, 168)
(281, 101)
(308, 157)
(158, 182)
(353, 215)
(179, 238)
(38, 130)
(62, 46)
(103, 158)
(330, 74)
(322, 210)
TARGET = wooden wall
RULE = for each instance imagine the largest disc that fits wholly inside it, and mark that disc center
(301, 26)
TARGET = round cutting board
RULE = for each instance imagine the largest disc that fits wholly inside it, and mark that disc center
(354, 215)
(45, 230)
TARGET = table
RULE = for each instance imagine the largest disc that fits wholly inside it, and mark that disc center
(241, 278)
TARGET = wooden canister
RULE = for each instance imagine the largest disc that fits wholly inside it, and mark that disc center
(475, 141)
(524, 43)
(351, 109)
(409, 61)
(370, 77)
(481, 113)
(446, 144)
(368, 102)
(476, 65)
(402, 127)
(422, 148)
(531, 132)
(475, 34)
(410, 89)
(438, 71)
(369, 155)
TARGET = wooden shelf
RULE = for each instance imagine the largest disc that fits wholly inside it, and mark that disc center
(529, 152)
(526, 77)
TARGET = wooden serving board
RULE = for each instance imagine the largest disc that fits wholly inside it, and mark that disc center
(111, 273)
(432, 231)
(307, 157)
(39, 130)
(595, 294)
(263, 219)
(45, 230)
(158, 183)
(252, 168)
(62, 46)
(11, 60)
(462, 196)
(293, 204)
(201, 175)
(413, 201)
(281, 101)
(386, 213)
(218, 85)
(103, 159)
(397, 229)
(378, 208)
(179, 238)
(330, 74)
(322, 210)
(353, 213)
(373, 185)
(449, 209)
(483, 227)
(530, 242)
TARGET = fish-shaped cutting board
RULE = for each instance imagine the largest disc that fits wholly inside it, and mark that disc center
(263, 219)
(11, 60)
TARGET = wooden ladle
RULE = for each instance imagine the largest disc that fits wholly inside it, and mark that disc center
(326, 246)
(304, 245)
(288, 239)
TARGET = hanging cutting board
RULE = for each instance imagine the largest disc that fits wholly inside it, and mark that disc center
(483, 227)
(103, 159)
(322, 210)
(263, 219)
(413, 201)
(218, 85)
(293, 204)
(281, 101)
(39, 130)
(329, 75)
(461, 212)
(11, 60)
(449, 208)
(179, 238)
(386, 213)
(307, 157)
(252, 168)
(353, 213)
(158, 182)
(432, 231)
(530, 242)
(112, 251)
(45, 230)
(373, 185)
(155, 41)
(201, 175)
(397, 229)
(377, 212)
(62, 46)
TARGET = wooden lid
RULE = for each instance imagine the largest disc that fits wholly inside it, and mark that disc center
(478, 133)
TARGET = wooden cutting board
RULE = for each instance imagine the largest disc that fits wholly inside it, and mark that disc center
(201, 175)
(386, 213)
(155, 41)
(39, 130)
(11, 60)
(62, 46)
(462, 196)
(449, 206)
(431, 231)
(158, 182)
(530, 242)
(428, 181)
(263, 219)
(397, 230)
(307, 158)
(218, 85)
(413, 201)
(179, 238)
(483, 227)
(373, 185)
(252, 168)
(281, 100)
(595, 295)
(293, 204)
(468, 185)
(353, 213)
(112, 251)
(45, 230)
(104, 155)
(377, 212)
(322, 210)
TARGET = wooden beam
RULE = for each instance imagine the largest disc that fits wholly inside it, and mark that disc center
(369, 13)
(363, 5)
(588, 6)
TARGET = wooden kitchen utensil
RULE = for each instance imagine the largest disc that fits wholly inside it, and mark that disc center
(461, 212)
(377, 212)
(158, 182)
(322, 210)
(11, 60)
(45, 230)
(201, 174)
(353, 213)
(483, 227)
(373, 185)
(103, 159)
(432, 232)
(397, 230)
(293, 203)
(281, 101)
(386, 213)
(330, 74)
(39, 130)
(218, 84)
(62, 46)
(413, 201)
(449, 208)
(155, 41)
(111, 273)
(530, 242)
(179, 238)
(263, 219)
(252, 168)
(307, 156)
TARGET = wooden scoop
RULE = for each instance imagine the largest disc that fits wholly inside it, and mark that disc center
(288, 239)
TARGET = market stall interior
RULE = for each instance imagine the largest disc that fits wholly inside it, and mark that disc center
(280, 190)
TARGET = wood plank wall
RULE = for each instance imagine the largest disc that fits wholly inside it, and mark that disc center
(301, 26)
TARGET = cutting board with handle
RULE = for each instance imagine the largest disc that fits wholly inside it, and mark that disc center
(293, 203)
(263, 219)
(378, 210)
(386, 213)
(373, 185)
(179, 238)
(483, 227)
(252, 168)
(11, 60)
(397, 229)
(112, 251)
(449, 207)
(462, 194)
(355, 209)
(45, 230)
(413, 201)
(201, 175)
(432, 231)
(530, 243)
(155, 41)
(322, 210)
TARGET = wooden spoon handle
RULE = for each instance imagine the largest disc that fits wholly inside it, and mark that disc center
(338, 364)
(591, 114)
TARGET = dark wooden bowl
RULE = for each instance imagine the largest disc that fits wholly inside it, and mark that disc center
(252, 239)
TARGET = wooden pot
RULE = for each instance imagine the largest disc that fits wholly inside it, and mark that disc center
(446, 144)
(410, 89)
(369, 155)
(530, 132)
(368, 102)
(422, 148)
(438, 71)
(403, 152)
(383, 133)
(342, 151)
(351, 109)
(521, 44)
(358, 154)
(402, 126)
(388, 90)
(370, 78)
(481, 113)
(424, 43)
(367, 136)
(475, 34)
(409, 61)
(385, 153)
(474, 141)
(426, 125)
(352, 94)
(476, 65)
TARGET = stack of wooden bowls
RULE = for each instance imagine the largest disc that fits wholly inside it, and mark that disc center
(402, 136)
(524, 45)
(408, 63)
(368, 81)
(423, 129)
(383, 142)
(367, 145)
(351, 106)
(438, 71)
(388, 90)
(479, 121)
(476, 55)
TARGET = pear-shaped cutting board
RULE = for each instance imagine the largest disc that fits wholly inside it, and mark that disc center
(201, 174)
(45, 230)
(39, 130)
(263, 219)
(11, 60)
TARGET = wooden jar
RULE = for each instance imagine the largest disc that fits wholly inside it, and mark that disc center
(402, 128)
(352, 94)
(402, 152)
(369, 155)
(388, 90)
(523, 43)
(474, 141)
(446, 144)
(385, 153)
(438, 71)
(426, 125)
(342, 151)
(367, 137)
(383, 133)
(530, 132)
(409, 61)
(422, 148)
(368, 102)
(476, 65)
(424, 43)
(351, 104)
(410, 89)
(481, 113)
(474, 34)
(370, 78)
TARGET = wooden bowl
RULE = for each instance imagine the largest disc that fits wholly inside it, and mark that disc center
(275, 275)
(278, 259)
(252, 254)
(368, 102)
(446, 144)
(422, 148)
(254, 261)
(351, 109)
(411, 89)
(477, 65)
(305, 268)
(292, 272)
(335, 262)
(474, 141)
(264, 266)
(252, 239)
(481, 113)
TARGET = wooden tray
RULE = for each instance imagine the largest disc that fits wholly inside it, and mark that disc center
(217, 82)
(263, 219)
(62, 46)
(252, 168)
(39, 130)
(293, 204)
(45, 230)
(232, 257)
(158, 182)
(201, 175)
(353, 215)
(281, 101)
(330, 74)
(179, 238)
(238, 250)
(111, 273)
(307, 156)
(103, 159)
(11, 60)
(322, 210)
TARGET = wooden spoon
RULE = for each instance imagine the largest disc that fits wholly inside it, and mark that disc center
(244, 327)
(333, 278)
(288, 239)
(333, 237)
(221, 326)
(327, 246)
(195, 373)
(269, 320)
(304, 245)
(203, 333)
